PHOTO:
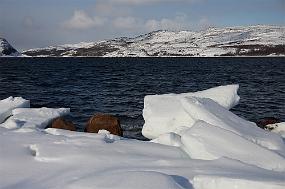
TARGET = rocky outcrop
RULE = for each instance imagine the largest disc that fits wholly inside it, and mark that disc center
(6, 49)
(61, 123)
(104, 122)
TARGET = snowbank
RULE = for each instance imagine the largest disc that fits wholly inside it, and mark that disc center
(170, 139)
(128, 180)
(278, 128)
(31, 118)
(8, 104)
(212, 113)
(56, 158)
(217, 150)
(216, 182)
(205, 141)
(165, 113)
(205, 129)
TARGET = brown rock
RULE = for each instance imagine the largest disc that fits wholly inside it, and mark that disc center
(61, 123)
(104, 122)
(266, 121)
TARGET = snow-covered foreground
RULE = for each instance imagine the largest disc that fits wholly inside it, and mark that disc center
(197, 143)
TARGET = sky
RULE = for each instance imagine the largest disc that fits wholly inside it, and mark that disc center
(40, 23)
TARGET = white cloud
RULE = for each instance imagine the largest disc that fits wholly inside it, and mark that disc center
(180, 22)
(128, 23)
(204, 23)
(28, 22)
(124, 8)
(81, 20)
(120, 15)
(152, 25)
(134, 24)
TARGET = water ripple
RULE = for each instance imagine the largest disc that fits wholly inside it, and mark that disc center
(118, 86)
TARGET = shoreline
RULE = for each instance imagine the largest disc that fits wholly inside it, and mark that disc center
(144, 57)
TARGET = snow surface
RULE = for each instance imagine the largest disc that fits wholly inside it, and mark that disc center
(278, 128)
(209, 111)
(171, 139)
(214, 182)
(165, 113)
(203, 156)
(68, 159)
(10, 103)
(205, 141)
(32, 118)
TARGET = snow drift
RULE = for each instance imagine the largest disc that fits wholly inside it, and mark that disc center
(165, 113)
(8, 104)
(212, 113)
(197, 144)
(32, 118)
(278, 128)
(202, 125)
(205, 141)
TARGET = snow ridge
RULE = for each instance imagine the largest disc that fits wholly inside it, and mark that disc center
(260, 40)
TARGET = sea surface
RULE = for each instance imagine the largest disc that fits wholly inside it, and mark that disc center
(117, 86)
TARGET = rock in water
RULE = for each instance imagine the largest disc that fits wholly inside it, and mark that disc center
(104, 122)
(61, 123)
(267, 121)
(6, 49)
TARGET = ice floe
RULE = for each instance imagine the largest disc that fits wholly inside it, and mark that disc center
(31, 118)
(8, 104)
(205, 141)
(165, 113)
(211, 112)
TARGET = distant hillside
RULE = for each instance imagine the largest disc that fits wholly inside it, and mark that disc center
(231, 41)
(6, 49)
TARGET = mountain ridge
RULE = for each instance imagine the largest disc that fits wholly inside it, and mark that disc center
(260, 40)
(6, 49)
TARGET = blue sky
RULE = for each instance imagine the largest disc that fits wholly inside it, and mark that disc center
(39, 23)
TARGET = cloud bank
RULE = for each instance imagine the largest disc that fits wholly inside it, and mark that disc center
(80, 20)
(118, 15)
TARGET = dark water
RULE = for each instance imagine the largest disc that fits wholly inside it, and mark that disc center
(118, 85)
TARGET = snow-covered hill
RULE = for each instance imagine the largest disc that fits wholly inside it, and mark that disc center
(6, 49)
(235, 41)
